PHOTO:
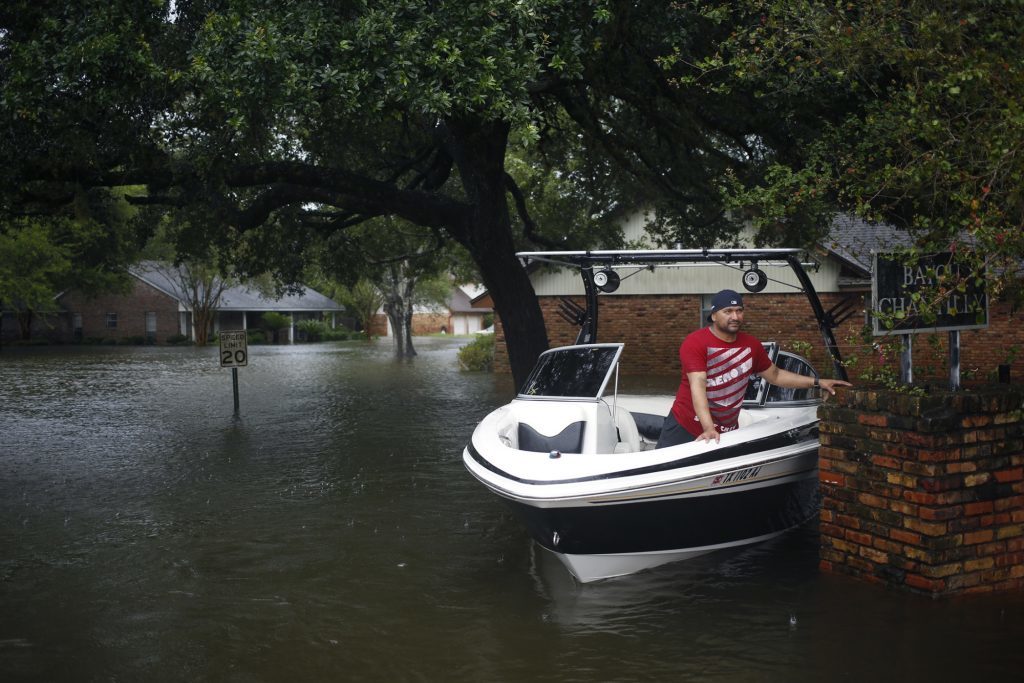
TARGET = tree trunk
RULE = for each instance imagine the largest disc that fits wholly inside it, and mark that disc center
(408, 349)
(410, 284)
(395, 312)
(202, 322)
(516, 303)
(479, 152)
(25, 324)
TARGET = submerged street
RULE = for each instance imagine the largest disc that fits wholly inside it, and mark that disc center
(331, 533)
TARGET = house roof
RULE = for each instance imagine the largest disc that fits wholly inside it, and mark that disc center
(238, 297)
(463, 298)
(853, 240)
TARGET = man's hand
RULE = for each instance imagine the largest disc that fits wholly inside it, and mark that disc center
(709, 434)
(830, 385)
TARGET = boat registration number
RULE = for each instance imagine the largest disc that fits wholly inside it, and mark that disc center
(738, 475)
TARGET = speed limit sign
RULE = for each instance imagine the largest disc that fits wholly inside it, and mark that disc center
(234, 349)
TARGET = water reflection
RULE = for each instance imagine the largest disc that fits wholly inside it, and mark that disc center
(331, 532)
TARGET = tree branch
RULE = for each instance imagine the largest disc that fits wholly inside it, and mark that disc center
(293, 182)
(529, 227)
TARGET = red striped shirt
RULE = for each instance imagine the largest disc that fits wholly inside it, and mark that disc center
(728, 366)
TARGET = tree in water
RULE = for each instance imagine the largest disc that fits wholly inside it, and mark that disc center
(85, 246)
(362, 300)
(199, 286)
(402, 262)
(30, 265)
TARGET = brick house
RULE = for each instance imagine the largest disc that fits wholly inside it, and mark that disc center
(652, 312)
(155, 309)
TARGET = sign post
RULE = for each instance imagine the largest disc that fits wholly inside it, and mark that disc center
(234, 354)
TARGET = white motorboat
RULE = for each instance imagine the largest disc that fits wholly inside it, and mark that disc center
(575, 458)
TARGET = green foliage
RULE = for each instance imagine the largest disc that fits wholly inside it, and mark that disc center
(32, 265)
(341, 334)
(313, 330)
(256, 336)
(362, 300)
(478, 355)
(911, 115)
(802, 348)
(176, 339)
(501, 124)
(272, 320)
(42, 256)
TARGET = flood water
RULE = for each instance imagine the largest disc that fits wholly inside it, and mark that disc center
(332, 533)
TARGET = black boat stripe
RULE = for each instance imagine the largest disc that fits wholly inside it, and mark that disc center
(758, 445)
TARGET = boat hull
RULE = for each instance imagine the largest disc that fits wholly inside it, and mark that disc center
(603, 541)
(626, 520)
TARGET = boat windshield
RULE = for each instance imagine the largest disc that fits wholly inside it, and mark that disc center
(758, 387)
(760, 392)
(580, 372)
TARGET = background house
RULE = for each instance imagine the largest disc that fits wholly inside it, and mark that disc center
(652, 312)
(468, 314)
(156, 309)
(463, 313)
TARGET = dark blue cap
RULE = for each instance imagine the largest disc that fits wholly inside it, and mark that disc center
(724, 299)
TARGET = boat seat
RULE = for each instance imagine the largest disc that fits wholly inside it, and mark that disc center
(569, 440)
(649, 425)
(629, 436)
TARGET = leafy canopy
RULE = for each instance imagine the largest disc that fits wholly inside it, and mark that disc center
(914, 115)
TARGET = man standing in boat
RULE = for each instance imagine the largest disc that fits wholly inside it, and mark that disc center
(717, 363)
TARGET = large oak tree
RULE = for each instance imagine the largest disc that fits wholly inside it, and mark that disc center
(293, 121)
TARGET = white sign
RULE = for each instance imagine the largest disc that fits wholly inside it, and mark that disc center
(234, 349)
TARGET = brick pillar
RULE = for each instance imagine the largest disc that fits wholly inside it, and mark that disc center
(925, 492)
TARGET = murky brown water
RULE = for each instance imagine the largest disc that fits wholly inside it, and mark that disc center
(331, 533)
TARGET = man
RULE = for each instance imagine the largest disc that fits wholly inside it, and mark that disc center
(717, 362)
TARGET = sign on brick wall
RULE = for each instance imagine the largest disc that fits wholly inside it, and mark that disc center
(898, 291)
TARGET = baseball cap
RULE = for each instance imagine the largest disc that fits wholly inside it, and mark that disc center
(724, 299)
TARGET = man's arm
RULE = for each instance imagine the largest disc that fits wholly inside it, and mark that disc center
(699, 393)
(791, 380)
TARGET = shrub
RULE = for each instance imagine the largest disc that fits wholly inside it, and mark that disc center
(29, 342)
(338, 334)
(478, 355)
(177, 339)
(132, 340)
(274, 322)
(256, 336)
(312, 330)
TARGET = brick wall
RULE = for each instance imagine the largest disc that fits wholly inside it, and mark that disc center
(652, 327)
(131, 312)
(925, 493)
(431, 323)
(422, 323)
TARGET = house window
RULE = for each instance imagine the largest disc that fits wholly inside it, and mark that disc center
(151, 325)
(705, 308)
(76, 322)
(111, 321)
